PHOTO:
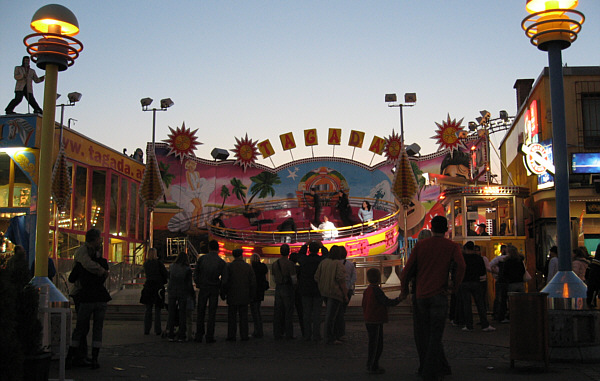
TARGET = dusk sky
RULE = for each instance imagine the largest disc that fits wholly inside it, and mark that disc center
(270, 67)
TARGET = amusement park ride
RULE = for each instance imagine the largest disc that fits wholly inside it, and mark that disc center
(247, 205)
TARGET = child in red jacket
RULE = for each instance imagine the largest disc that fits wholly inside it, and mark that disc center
(375, 304)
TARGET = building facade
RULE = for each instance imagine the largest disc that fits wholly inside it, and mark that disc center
(526, 151)
(104, 193)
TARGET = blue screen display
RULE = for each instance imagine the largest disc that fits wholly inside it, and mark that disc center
(585, 162)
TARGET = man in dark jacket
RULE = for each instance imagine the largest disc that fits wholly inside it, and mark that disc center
(210, 274)
(471, 285)
(430, 263)
(240, 290)
(309, 290)
(284, 275)
(93, 298)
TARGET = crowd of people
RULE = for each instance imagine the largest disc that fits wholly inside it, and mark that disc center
(316, 285)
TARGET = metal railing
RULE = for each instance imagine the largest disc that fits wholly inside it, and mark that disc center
(255, 236)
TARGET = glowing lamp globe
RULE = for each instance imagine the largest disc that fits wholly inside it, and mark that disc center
(56, 25)
(552, 21)
(54, 18)
(534, 6)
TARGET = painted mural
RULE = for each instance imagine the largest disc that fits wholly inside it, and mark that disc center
(196, 188)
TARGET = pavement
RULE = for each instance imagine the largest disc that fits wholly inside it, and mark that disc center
(128, 354)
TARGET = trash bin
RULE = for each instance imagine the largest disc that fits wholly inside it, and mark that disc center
(528, 327)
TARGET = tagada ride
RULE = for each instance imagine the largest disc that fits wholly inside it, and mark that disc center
(260, 229)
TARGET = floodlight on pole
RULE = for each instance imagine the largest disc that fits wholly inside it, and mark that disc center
(409, 100)
(551, 28)
(151, 188)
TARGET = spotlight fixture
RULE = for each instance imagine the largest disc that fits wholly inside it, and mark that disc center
(410, 97)
(146, 102)
(391, 98)
(166, 103)
(413, 149)
(74, 97)
(472, 126)
(219, 154)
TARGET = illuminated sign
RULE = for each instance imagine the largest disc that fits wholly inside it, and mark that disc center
(85, 151)
(356, 139)
(287, 141)
(17, 132)
(310, 137)
(585, 162)
(532, 127)
(377, 145)
(537, 159)
(335, 137)
(266, 149)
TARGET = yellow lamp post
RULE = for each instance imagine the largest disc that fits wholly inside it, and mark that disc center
(54, 51)
(552, 26)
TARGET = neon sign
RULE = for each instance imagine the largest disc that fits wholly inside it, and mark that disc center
(532, 128)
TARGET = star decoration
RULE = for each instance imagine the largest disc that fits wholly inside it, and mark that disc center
(246, 152)
(448, 134)
(181, 142)
(393, 145)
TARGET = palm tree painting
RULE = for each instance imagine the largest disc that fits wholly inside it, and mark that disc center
(263, 185)
(378, 196)
(166, 177)
(224, 193)
(418, 177)
(239, 189)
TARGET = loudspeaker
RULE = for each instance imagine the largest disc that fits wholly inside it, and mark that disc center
(219, 154)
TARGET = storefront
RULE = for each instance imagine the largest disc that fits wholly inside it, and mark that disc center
(104, 192)
(527, 152)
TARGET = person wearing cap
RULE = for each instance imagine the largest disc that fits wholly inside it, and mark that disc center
(482, 231)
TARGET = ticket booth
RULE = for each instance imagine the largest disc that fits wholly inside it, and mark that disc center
(490, 216)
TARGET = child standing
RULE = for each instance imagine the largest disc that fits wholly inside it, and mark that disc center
(375, 304)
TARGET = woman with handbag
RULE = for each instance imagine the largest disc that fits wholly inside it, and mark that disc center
(156, 278)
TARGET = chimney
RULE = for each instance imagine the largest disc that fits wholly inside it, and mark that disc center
(523, 87)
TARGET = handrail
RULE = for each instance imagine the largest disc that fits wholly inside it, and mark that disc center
(300, 235)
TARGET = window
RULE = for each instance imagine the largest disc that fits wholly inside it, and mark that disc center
(132, 210)
(22, 188)
(64, 216)
(114, 198)
(590, 110)
(79, 202)
(123, 208)
(98, 200)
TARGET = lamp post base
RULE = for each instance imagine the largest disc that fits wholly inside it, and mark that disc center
(566, 291)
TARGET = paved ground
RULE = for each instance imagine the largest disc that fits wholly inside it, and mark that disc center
(477, 355)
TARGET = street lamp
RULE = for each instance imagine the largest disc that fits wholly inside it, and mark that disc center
(73, 97)
(405, 186)
(164, 105)
(61, 182)
(409, 100)
(152, 188)
(551, 28)
(54, 51)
